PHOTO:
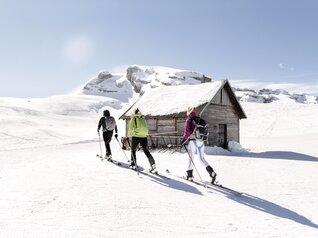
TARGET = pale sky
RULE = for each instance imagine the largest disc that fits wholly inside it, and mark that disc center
(52, 47)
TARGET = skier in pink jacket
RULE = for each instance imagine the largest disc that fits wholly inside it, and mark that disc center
(195, 146)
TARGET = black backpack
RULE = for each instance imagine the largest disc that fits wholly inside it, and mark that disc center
(200, 128)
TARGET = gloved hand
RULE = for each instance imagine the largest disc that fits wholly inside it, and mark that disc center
(116, 135)
(183, 141)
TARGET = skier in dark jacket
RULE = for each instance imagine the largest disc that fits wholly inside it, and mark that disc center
(108, 123)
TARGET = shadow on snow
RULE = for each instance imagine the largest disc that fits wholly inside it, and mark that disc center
(269, 207)
(171, 183)
(244, 199)
(286, 155)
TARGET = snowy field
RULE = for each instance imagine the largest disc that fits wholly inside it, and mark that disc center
(53, 185)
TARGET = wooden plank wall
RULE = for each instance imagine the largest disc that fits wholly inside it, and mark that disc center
(162, 126)
(166, 126)
(221, 98)
(221, 111)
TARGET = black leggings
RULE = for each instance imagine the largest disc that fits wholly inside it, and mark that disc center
(143, 142)
(107, 135)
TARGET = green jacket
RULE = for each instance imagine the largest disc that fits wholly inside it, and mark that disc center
(137, 126)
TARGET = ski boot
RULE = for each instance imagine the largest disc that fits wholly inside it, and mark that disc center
(133, 166)
(211, 173)
(109, 158)
(153, 169)
(189, 175)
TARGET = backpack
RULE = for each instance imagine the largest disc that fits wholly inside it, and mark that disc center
(141, 124)
(110, 123)
(201, 130)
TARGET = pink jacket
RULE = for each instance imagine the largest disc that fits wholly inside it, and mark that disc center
(187, 124)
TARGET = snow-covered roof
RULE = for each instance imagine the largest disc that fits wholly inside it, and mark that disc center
(168, 100)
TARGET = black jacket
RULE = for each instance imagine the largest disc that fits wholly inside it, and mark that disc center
(102, 123)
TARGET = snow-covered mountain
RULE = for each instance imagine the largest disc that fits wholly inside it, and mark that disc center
(53, 185)
(270, 95)
(138, 79)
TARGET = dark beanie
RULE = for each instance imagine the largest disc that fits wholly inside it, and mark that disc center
(106, 113)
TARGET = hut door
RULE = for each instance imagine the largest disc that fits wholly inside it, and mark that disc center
(222, 136)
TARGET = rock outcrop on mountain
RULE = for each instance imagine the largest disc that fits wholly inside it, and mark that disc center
(138, 79)
(269, 95)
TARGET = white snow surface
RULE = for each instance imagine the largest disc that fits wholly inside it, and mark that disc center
(53, 185)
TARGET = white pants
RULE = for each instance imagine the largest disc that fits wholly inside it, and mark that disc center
(196, 149)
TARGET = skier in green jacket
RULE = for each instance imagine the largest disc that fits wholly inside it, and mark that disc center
(138, 131)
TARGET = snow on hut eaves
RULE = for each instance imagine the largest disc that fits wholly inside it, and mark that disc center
(168, 100)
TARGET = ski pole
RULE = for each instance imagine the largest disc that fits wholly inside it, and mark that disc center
(127, 157)
(122, 150)
(135, 162)
(194, 165)
(184, 142)
(100, 146)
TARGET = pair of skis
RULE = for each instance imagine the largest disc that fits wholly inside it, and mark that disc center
(156, 173)
(140, 169)
(111, 160)
(214, 186)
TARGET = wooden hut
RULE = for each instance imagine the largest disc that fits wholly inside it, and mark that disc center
(165, 110)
